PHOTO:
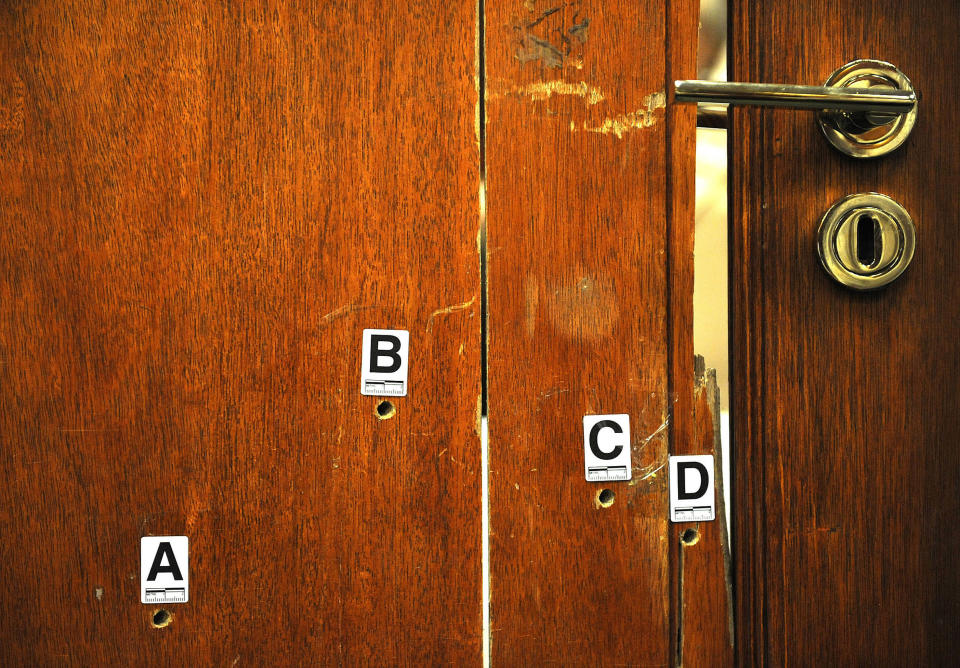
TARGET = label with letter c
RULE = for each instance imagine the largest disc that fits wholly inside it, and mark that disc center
(606, 447)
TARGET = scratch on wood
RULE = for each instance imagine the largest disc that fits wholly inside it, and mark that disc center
(342, 311)
(812, 531)
(659, 430)
(87, 431)
(543, 90)
(450, 309)
(552, 391)
(624, 123)
(650, 471)
(653, 473)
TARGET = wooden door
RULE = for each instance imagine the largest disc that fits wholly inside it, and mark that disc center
(589, 202)
(202, 207)
(846, 416)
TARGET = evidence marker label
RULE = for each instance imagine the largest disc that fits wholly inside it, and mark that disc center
(606, 448)
(384, 359)
(164, 569)
(692, 496)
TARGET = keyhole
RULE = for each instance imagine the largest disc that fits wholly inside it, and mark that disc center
(868, 240)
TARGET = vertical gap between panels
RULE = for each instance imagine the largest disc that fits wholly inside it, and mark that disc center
(481, 120)
(710, 314)
(484, 463)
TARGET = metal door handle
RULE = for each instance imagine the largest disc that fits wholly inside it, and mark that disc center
(885, 101)
(867, 107)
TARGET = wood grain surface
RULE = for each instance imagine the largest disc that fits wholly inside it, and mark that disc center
(845, 409)
(580, 168)
(705, 580)
(201, 207)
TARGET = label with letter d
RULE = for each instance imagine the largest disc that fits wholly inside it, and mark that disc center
(691, 488)
(606, 447)
(383, 371)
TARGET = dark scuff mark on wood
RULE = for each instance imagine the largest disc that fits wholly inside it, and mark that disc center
(538, 21)
(533, 48)
(551, 38)
(580, 31)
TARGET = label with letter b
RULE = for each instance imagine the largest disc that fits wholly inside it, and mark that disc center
(383, 371)
(691, 488)
(606, 447)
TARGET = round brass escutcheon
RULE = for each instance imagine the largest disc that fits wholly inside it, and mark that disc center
(868, 134)
(865, 241)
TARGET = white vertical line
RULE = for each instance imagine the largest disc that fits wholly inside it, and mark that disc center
(485, 556)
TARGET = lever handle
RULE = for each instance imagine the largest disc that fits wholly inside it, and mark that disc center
(835, 98)
(867, 107)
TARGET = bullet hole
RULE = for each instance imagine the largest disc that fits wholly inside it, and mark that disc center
(605, 498)
(161, 618)
(386, 410)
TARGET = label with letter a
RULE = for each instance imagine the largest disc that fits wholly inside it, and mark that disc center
(606, 447)
(164, 573)
(383, 371)
(691, 488)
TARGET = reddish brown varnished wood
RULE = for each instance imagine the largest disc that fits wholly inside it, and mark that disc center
(201, 207)
(582, 235)
(706, 593)
(691, 580)
(846, 420)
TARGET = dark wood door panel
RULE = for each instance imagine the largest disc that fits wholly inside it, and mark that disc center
(845, 422)
(589, 201)
(202, 207)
